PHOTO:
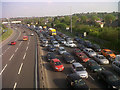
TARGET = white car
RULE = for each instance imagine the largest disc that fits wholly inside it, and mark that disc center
(79, 69)
(61, 50)
(62, 41)
(90, 52)
(70, 44)
(101, 59)
(55, 44)
(32, 34)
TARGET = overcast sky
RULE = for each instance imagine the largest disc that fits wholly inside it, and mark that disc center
(29, 8)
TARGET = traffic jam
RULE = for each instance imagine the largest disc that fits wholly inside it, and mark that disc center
(85, 57)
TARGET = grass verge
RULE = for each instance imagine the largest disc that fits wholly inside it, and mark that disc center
(6, 35)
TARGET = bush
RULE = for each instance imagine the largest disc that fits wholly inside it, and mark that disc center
(61, 26)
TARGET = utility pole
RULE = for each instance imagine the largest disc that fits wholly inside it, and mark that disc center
(71, 18)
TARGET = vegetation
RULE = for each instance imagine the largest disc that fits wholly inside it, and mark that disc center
(6, 34)
(86, 22)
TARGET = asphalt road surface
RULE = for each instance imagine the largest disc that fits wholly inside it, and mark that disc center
(18, 60)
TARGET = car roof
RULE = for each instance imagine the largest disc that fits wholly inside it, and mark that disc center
(91, 60)
(107, 73)
(56, 60)
(77, 64)
(74, 76)
(61, 47)
(88, 48)
(106, 49)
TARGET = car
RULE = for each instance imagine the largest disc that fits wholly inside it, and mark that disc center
(101, 59)
(93, 66)
(116, 66)
(70, 44)
(76, 51)
(55, 44)
(117, 58)
(68, 57)
(69, 40)
(88, 44)
(32, 34)
(108, 54)
(83, 57)
(81, 46)
(44, 44)
(50, 56)
(90, 52)
(109, 79)
(79, 69)
(51, 48)
(44, 40)
(96, 48)
(13, 43)
(56, 65)
(76, 39)
(62, 41)
(61, 50)
(75, 81)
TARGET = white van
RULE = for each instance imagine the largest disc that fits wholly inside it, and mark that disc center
(116, 66)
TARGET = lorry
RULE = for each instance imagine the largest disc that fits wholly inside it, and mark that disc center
(52, 31)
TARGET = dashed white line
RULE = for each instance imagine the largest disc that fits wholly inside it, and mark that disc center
(3, 69)
(16, 49)
(20, 43)
(28, 43)
(15, 85)
(20, 68)
(11, 57)
(27, 48)
(91, 77)
(24, 56)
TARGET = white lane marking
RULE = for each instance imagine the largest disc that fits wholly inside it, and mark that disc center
(28, 43)
(16, 49)
(18, 36)
(11, 57)
(3, 69)
(91, 77)
(20, 43)
(27, 48)
(20, 68)
(6, 50)
(15, 85)
(24, 56)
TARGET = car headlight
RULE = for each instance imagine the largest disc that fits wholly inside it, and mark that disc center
(114, 86)
(56, 68)
(62, 67)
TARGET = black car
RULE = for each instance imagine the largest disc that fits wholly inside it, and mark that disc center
(68, 57)
(75, 81)
(93, 66)
(81, 41)
(110, 79)
(76, 39)
(50, 56)
(96, 47)
(88, 44)
(81, 46)
(51, 48)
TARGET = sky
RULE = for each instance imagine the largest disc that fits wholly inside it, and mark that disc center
(39, 8)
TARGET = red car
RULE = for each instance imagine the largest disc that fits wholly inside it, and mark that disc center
(13, 43)
(82, 56)
(77, 51)
(57, 65)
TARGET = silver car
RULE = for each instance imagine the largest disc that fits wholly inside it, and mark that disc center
(101, 59)
(116, 66)
(79, 69)
(90, 52)
(55, 44)
(61, 50)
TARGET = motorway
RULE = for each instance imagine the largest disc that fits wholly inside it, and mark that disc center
(18, 64)
(18, 61)
(58, 79)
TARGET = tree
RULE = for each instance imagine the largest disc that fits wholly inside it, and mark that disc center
(83, 19)
(60, 26)
(109, 18)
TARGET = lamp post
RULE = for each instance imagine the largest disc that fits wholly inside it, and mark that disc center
(71, 18)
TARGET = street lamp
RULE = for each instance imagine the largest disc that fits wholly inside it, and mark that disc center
(71, 18)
